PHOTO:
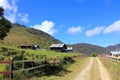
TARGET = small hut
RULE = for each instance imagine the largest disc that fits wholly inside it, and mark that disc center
(26, 47)
(58, 47)
(34, 47)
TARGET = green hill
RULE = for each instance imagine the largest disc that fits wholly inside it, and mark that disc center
(21, 35)
(88, 48)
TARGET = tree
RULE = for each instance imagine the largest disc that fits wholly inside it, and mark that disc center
(1, 11)
(5, 25)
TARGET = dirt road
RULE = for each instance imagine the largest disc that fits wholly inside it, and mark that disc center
(94, 70)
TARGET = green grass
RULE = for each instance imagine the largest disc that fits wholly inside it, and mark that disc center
(43, 52)
(113, 69)
(49, 54)
(3, 68)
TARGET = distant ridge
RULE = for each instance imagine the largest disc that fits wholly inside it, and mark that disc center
(88, 49)
(22, 35)
(113, 47)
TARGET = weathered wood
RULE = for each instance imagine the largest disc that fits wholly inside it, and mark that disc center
(5, 72)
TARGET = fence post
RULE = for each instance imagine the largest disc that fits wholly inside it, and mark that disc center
(45, 58)
(11, 68)
(23, 64)
(54, 61)
(33, 58)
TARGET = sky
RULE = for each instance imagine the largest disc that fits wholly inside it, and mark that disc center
(71, 21)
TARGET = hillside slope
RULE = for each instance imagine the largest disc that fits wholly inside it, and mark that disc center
(113, 47)
(21, 35)
(88, 48)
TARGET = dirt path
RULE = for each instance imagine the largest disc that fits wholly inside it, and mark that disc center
(94, 70)
(104, 75)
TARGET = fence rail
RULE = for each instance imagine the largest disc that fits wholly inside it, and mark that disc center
(112, 58)
(5, 72)
(11, 62)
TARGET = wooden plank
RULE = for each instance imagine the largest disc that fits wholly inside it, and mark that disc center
(27, 69)
(5, 72)
(5, 62)
(23, 61)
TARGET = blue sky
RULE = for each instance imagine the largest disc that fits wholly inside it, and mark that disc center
(71, 21)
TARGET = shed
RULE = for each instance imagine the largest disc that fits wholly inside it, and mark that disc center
(26, 47)
(115, 53)
(69, 49)
(58, 47)
(34, 47)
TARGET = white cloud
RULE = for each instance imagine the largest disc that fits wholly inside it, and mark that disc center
(94, 31)
(115, 27)
(46, 26)
(11, 10)
(5, 4)
(74, 30)
(23, 17)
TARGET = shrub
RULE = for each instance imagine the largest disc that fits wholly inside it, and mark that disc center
(93, 54)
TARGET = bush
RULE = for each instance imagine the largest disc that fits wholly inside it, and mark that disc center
(93, 54)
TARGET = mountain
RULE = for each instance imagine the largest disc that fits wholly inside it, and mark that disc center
(113, 47)
(88, 48)
(22, 35)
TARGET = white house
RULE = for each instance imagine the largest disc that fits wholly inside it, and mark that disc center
(69, 49)
(115, 53)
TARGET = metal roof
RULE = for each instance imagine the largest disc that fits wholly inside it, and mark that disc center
(115, 52)
(57, 45)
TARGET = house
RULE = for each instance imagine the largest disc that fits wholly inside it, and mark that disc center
(69, 49)
(34, 47)
(114, 53)
(58, 47)
(25, 47)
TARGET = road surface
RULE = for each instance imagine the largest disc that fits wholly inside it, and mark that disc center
(94, 70)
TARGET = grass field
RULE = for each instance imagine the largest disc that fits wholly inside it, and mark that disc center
(28, 54)
(114, 69)
(48, 53)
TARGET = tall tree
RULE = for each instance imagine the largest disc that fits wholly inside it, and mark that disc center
(1, 11)
(5, 25)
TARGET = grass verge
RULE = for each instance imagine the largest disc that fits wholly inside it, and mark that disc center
(113, 69)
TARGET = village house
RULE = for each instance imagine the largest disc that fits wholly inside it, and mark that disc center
(25, 47)
(114, 53)
(58, 47)
(34, 47)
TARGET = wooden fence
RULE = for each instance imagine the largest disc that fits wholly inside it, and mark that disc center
(112, 58)
(11, 62)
